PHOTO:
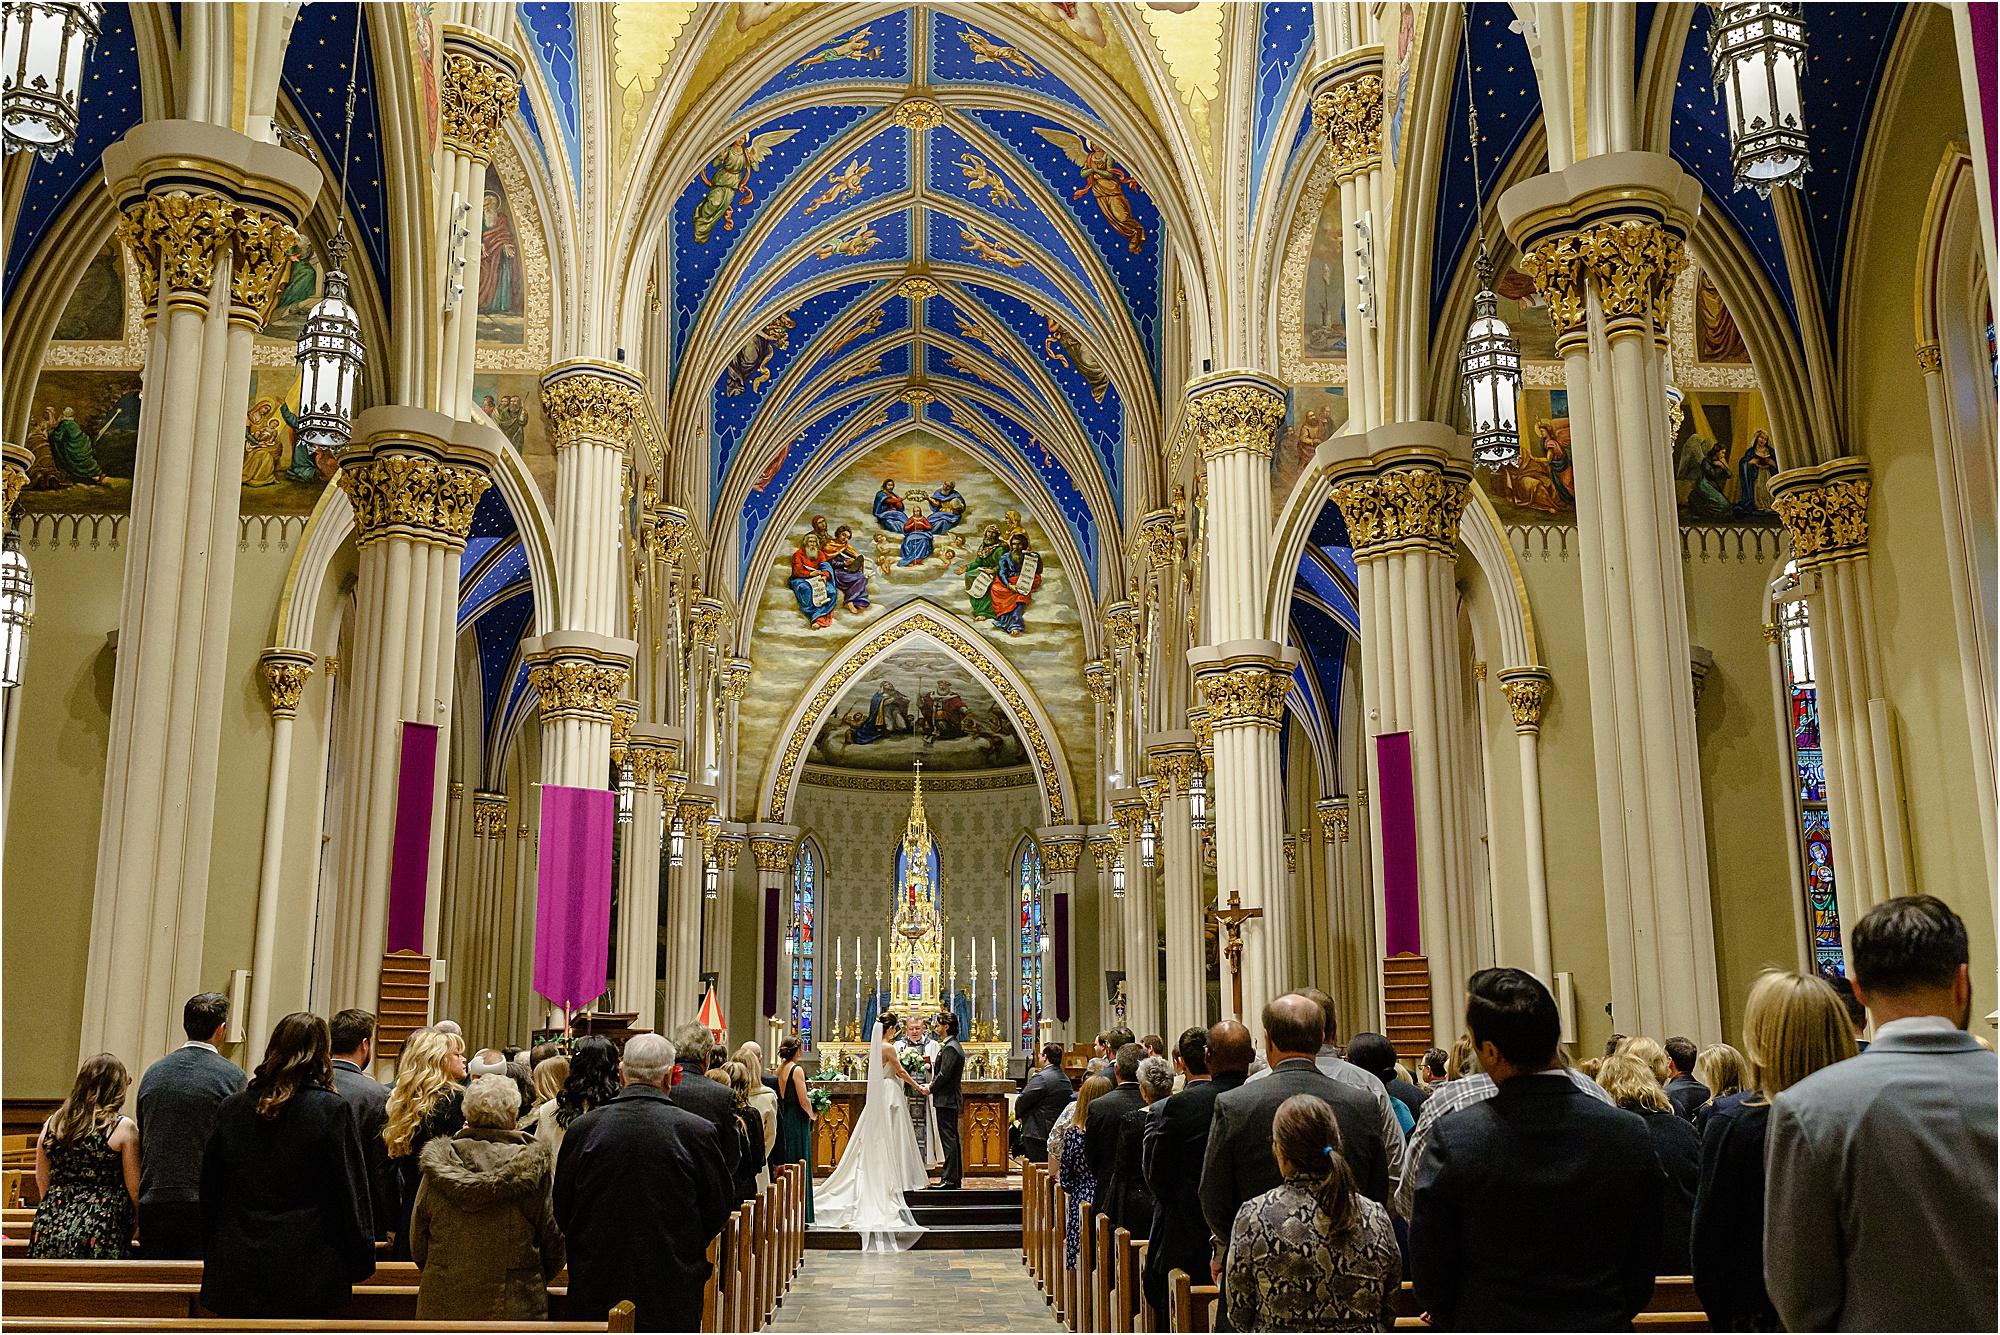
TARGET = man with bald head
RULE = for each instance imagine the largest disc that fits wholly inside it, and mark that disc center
(1214, 1061)
(1334, 1067)
(1239, 1163)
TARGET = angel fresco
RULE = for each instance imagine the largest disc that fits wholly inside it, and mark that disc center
(852, 47)
(727, 178)
(751, 366)
(988, 249)
(985, 51)
(979, 176)
(1103, 178)
(842, 184)
(1062, 345)
(858, 242)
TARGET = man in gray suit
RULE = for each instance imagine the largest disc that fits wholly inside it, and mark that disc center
(1879, 1207)
(353, 1034)
(1239, 1164)
(179, 1097)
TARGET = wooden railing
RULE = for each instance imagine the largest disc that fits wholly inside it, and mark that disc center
(755, 1258)
(1106, 1290)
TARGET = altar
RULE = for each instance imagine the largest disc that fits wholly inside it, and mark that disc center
(982, 1124)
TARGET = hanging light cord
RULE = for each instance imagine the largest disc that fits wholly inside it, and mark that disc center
(1472, 121)
(338, 243)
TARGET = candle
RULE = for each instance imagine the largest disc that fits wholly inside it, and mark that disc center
(975, 974)
(951, 998)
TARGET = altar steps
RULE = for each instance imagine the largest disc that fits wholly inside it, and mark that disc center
(968, 1218)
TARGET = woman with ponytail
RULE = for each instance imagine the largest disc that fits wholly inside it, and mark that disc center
(1312, 1253)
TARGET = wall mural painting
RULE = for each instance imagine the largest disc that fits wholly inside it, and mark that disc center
(916, 518)
(281, 474)
(1541, 487)
(296, 297)
(1717, 339)
(96, 310)
(1312, 413)
(502, 286)
(514, 403)
(1323, 310)
(918, 703)
(84, 430)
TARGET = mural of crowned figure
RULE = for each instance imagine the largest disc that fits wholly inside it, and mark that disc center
(916, 518)
(918, 703)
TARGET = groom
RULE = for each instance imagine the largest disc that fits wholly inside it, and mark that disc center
(945, 1098)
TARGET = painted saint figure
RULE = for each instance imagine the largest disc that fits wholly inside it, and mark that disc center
(72, 449)
(850, 572)
(1103, 179)
(499, 260)
(727, 178)
(947, 508)
(1754, 472)
(812, 584)
(852, 47)
(890, 511)
(1015, 578)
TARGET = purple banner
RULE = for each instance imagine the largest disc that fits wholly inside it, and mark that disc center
(1985, 22)
(1396, 804)
(573, 894)
(773, 919)
(410, 853)
(1060, 923)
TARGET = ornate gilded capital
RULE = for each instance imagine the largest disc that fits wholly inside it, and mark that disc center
(1128, 809)
(1771, 632)
(1557, 268)
(1097, 680)
(1060, 856)
(1236, 415)
(489, 815)
(772, 852)
(1159, 538)
(409, 496)
(1930, 358)
(1527, 692)
(18, 460)
(474, 100)
(706, 620)
(652, 760)
(1825, 509)
(574, 687)
(177, 238)
(624, 714)
(732, 679)
(1635, 264)
(592, 402)
(286, 672)
(1350, 116)
(1291, 853)
(1403, 507)
(1121, 623)
(728, 845)
(1333, 818)
(918, 113)
(1245, 693)
(1202, 724)
(1174, 767)
(1103, 851)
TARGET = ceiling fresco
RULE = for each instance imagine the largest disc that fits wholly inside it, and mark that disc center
(918, 703)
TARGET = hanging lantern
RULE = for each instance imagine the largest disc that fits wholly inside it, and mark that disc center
(1490, 366)
(676, 843)
(708, 880)
(330, 359)
(624, 796)
(1148, 843)
(1118, 876)
(1198, 802)
(1758, 53)
(43, 45)
(17, 609)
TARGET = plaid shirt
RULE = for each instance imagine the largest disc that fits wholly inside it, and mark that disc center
(1449, 1098)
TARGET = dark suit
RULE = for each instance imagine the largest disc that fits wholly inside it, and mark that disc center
(639, 1193)
(285, 1219)
(1238, 1163)
(1100, 1137)
(1679, 1149)
(1038, 1105)
(945, 1098)
(1537, 1209)
(179, 1098)
(368, 1100)
(1727, 1242)
(1176, 1142)
(715, 1104)
(1686, 1094)
(1409, 1095)
(1131, 1202)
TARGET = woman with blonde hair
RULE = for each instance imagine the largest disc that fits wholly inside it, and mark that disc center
(1463, 1061)
(1793, 1025)
(752, 1174)
(1652, 1054)
(87, 1166)
(550, 1074)
(1727, 1076)
(425, 1103)
(1633, 1084)
(1073, 1173)
(763, 1101)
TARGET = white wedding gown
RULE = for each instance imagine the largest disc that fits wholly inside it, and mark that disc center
(864, 1194)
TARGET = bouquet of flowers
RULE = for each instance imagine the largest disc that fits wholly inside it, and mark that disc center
(915, 1062)
(817, 1093)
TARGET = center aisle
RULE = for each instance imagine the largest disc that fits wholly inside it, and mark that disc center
(986, 1289)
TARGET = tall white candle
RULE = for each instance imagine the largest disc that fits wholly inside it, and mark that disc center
(951, 1000)
(974, 998)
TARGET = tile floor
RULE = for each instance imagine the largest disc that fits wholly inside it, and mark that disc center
(917, 1290)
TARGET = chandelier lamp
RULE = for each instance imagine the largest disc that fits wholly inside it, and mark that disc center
(17, 609)
(1489, 362)
(1758, 53)
(43, 46)
(1118, 876)
(331, 354)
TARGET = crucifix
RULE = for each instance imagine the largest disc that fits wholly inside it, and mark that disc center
(1231, 920)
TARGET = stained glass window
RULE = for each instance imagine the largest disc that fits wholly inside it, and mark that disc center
(1029, 878)
(1809, 771)
(805, 904)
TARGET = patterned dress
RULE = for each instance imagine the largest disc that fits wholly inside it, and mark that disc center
(1290, 1270)
(87, 1214)
(1079, 1187)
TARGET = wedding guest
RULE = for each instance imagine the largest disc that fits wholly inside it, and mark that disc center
(1631, 1083)
(179, 1097)
(1312, 1253)
(592, 1082)
(750, 1173)
(1041, 1100)
(430, 1080)
(551, 1074)
(1213, 1062)
(87, 1167)
(763, 1101)
(1101, 1138)
(352, 1033)
(285, 1220)
(795, 1117)
(693, 1047)
(1684, 1091)
(1073, 1173)
(483, 1232)
(1133, 1203)
(1430, 1072)
(1727, 1075)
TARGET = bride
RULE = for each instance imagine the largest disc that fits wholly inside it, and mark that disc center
(881, 1162)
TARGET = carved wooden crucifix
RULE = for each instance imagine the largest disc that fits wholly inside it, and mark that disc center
(1231, 920)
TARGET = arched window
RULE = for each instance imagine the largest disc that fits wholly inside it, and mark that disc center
(1809, 783)
(1028, 881)
(805, 908)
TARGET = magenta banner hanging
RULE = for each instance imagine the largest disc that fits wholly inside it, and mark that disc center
(1396, 806)
(573, 894)
(410, 851)
(1060, 926)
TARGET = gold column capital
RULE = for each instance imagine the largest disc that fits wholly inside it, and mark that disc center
(1635, 263)
(588, 400)
(1557, 267)
(1825, 509)
(1097, 680)
(1401, 502)
(412, 496)
(1202, 724)
(1159, 538)
(18, 459)
(1349, 115)
(475, 98)
(577, 682)
(773, 852)
(1333, 817)
(1930, 358)
(1175, 764)
(1527, 692)
(732, 679)
(653, 759)
(728, 846)
(706, 621)
(1121, 623)
(286, 672)
(1244, 691)
(1236, 412)
(1060, 854)
(489, 815)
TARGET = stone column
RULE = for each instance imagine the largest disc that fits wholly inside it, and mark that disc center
(1102, 840)
(1350, 925)
(1825, 508)
(1527, 691)
(475, 938)
(775, 848)
(1604, 241)
(593, 408)
(1401, 489)
(1135, 915)
(1174, 760)
(684, 900)
(414, 478)
(1242, 677)
(208, 216)
(722, 927)
(655, 756)
(286, 672)
(478, 89)
(1061, 847)
(1347, 109)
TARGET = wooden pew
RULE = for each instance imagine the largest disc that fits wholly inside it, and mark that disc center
(620, 1318)
(1081, 1310)
(377, 1302)
(1102, 1266)
(1188, 1303)
(1131, 1308)
(1059, 1271)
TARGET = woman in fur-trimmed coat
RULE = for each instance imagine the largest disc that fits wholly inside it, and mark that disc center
(483, 1232)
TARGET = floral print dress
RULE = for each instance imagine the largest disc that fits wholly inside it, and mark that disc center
(1289, 1269)
(1079, 1187)
(87, 1214)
